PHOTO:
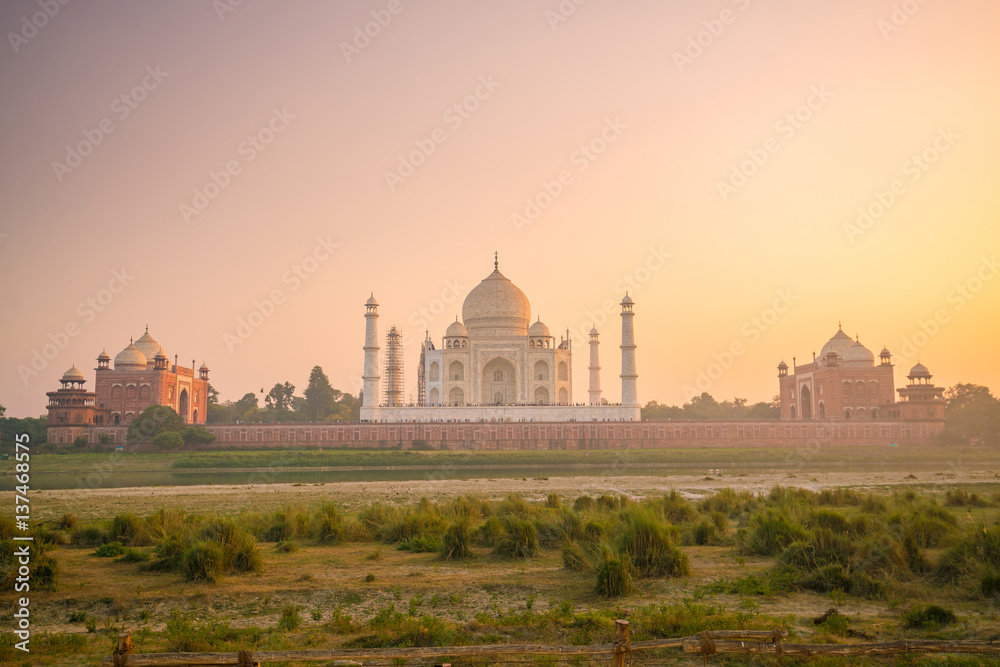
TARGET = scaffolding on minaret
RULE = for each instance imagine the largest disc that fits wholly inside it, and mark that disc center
(421, 382)
(394, 367)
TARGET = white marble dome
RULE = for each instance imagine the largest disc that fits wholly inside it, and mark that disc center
(456, 329)
(130, 357)
(73, 375)
(858, 354)
(498, 304)
(148, 346)
(538, 329)
(840, 343)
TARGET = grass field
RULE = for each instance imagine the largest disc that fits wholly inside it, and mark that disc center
(312, 458)
(319, 572)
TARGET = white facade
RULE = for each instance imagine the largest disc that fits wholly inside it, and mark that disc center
(493, 366)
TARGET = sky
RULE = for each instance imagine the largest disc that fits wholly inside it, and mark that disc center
(240, 176)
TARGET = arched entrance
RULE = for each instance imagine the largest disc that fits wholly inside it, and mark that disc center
(456, 396)
(435, 397)
(183, 405)
(542, 396)
(807, 412)
(499, 382)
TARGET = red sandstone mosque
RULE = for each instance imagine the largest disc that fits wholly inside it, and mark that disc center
(142, 376)
(844, 383)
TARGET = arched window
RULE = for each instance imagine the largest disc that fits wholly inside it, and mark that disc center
(456, 396)
(456, 371)
(860, 387)
(130, 391)
(463, 343)
(117, 419)
(563, 396)
(793, 412)
(498, 376)
(873, 388)
(875, 413)
(822, 410)
(435, 397)
(806, 402)
(563, 371)
(144, 391)
(847, 413)
(116, 391)
(847, 387)
(542, 396)
(541, 370)
(434, 374)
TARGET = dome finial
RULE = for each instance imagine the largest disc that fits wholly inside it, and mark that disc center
(147, 328)
(496, 260)
(840, 325)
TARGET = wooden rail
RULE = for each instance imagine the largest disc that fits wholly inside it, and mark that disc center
(705, 643)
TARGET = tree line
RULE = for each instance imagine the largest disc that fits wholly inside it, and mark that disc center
(320, 402)
(705, 407)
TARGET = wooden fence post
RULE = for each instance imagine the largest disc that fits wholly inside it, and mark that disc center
(123, 648)
(621, 644)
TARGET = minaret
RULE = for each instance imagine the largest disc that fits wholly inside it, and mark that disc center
(595, 370)
(630, 397)
(371, 376)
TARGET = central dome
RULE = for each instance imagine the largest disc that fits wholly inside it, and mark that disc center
(497, 304)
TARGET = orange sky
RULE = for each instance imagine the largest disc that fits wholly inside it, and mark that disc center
(828, 106)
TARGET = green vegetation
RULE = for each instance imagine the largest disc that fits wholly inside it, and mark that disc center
(153, 421)
(706, 407)
(321, 402)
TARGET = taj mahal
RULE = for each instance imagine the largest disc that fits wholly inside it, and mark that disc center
(494, 365)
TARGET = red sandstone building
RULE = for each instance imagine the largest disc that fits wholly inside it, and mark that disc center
(845, 383)
(141, 376)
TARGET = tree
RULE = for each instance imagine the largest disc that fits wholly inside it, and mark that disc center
(152, 421)
(168, 440)
(280, 397)
(242, 406)
(321, 398)
(213, 395)
(971, 411)
(196, 435)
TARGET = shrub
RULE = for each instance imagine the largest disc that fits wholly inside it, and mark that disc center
(203, 561)
(930, 617)
(768, 534)
(518, 540)
(243, 554)
(421, 545)
(109, 550)
(647, 545)
(614, 576)
(286, 547)
(552, 501)
(290, 619)
(959, 498)
(989, 585)
(584, 504)
(978, 550)
(195, 435)
(125, 528)
(490, 532)
(574, 558)
(168, 440)
(68, 522)
(133, 555)
(456, 541)
(704, 533)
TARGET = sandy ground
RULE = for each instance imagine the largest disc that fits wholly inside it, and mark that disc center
(104, 503)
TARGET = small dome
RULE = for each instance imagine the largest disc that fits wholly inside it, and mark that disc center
(148, 345)
(538, 329)
(73, 375)
(885, 352)
(919, 371)
(627, 299)
(593, 331)
(371, 300)
(204, 366)
(103, 356)
(859, 353)
(457, 329)
(783, 366)
(130, 357)
(162, 354)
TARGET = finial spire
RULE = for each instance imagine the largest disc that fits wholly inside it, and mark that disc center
(840, 325)
(147, 328)
(496, 260)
